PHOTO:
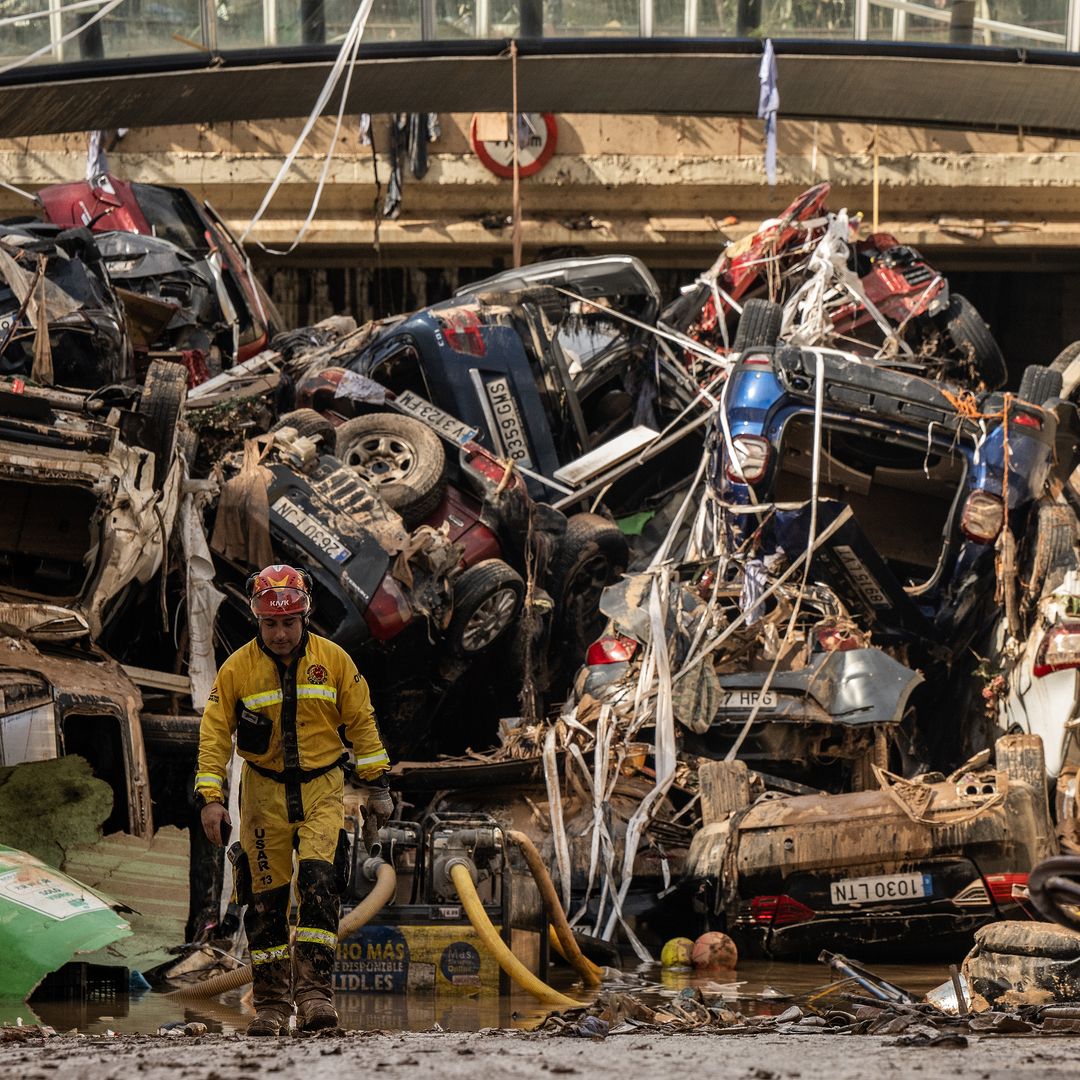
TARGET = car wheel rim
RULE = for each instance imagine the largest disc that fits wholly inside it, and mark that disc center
(489, 620)
(382, 459)
(592, 577)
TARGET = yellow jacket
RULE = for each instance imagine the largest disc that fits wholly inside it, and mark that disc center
(330, 694)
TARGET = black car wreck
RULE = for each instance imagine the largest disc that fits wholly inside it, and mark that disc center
(60, 319)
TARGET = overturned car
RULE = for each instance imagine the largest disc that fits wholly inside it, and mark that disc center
(90, 484)
(910, 865)
(553, 367)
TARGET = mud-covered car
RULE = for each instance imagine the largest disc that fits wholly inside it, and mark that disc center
(926, 477)
(55, 701)
(874, 296)
(823, 712)
(881, 873)
(1033, 673)
(90, 485)
(539, 365)
(429, 467)
(171, 301)
(55, 279)
(422, 602)
(107, 203)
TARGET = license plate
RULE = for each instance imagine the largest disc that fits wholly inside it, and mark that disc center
(509, 431)
(446, 425)
(881, 888)
(748, 699)
(322, 537)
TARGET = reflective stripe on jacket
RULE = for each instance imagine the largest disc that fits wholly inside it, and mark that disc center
(330, 695)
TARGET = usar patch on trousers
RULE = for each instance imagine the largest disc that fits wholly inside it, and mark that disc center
(316, 674)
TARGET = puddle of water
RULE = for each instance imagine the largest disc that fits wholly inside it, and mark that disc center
(147, 1012)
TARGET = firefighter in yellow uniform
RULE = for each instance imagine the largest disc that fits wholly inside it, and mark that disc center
(295, 704)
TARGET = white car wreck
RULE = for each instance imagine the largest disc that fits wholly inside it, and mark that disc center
(90, 484)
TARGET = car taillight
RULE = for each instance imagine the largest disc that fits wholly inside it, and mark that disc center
(1027, 420)
(388, 612)
(1059, 650)
(832, 638)
(777, 911)
(757, 360)
(1001, 886)
(983, 517)
(615, 649)
(752, 458)
(462, 330)
(973, 894)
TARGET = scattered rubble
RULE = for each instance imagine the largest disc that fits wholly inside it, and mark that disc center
(758, 613)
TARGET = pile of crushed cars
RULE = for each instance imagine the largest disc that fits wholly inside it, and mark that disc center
(760, 610)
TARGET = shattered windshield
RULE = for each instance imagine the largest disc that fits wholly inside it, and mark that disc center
(171, 216)
(587, 334)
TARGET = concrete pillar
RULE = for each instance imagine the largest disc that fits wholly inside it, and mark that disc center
(747, 17)
(312, 22)
(530, 19)
(962, 22)
(91, 41)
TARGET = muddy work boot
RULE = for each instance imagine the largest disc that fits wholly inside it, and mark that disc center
(271, 994)
(313, 987)
(266, 922)
(315, 947)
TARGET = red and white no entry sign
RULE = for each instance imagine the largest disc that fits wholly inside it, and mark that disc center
(537, 135)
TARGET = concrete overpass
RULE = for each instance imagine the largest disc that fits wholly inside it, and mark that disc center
(969, 87)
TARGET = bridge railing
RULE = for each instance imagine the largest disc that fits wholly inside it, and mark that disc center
(48, 31)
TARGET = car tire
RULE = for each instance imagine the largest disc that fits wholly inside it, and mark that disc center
(309, 424)
(401, 457)
(973, 343)
(1065, 360)
(160, 404)
(1039, 384)
(1053, 547)
(759, 325)
(487, 600)
(590, 556)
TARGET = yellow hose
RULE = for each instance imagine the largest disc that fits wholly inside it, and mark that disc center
(567, 946)
(382, 892)
(487, 933)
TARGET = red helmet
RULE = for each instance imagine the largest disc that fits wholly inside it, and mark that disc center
(279, 590)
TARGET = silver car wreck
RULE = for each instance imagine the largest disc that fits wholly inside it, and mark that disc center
(90, 484)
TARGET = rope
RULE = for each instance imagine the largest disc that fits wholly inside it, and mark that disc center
(346, 56)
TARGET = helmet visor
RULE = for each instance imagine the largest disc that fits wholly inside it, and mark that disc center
(278, 603)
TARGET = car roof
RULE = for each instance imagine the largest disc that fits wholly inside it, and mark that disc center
(594, 276)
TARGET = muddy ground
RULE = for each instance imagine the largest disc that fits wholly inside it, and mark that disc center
(514, 1055)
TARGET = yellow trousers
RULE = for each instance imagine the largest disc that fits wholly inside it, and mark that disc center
(269, 838)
